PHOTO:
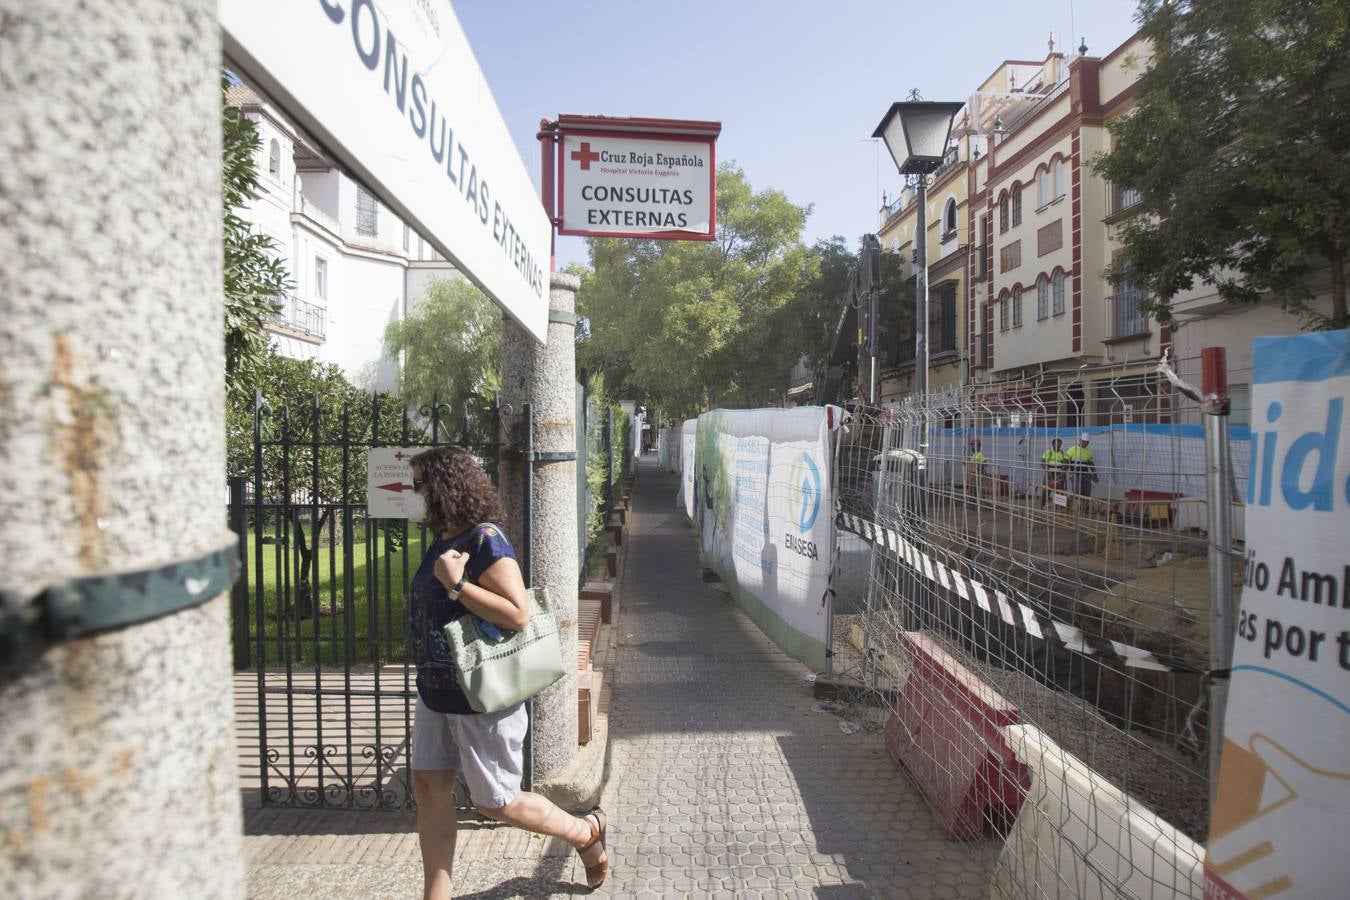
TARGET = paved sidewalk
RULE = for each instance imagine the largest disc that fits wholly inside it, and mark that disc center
(721, 779)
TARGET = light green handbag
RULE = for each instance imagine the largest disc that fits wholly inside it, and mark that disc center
(497, 672)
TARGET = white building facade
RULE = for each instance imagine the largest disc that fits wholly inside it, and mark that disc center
(355, 267)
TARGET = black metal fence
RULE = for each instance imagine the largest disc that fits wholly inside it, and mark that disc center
(320, 613)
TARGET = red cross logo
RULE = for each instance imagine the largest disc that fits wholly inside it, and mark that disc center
(585, 155)
(400, 456)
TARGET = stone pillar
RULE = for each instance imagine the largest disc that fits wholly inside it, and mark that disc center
(119, 773)
(545, 376)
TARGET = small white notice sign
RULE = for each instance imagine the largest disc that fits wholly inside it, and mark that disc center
(388, 480)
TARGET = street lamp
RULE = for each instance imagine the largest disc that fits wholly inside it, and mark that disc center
(916, 133)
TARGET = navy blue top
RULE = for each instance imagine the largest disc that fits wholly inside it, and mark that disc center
(431, 608)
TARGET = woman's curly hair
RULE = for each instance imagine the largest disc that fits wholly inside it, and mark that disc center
(458, 490)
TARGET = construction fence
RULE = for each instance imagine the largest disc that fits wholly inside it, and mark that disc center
(1028, 606)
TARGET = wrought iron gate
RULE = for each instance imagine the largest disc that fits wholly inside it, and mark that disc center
(319, 615)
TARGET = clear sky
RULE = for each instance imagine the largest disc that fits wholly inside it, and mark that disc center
(798, 85)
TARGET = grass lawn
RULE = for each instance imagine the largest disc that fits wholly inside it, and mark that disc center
(367, 625)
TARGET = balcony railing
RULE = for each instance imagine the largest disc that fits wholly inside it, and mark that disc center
(1124, 317)
(1122, 198)
(1043, 99)
(949, 159)
(298, 315)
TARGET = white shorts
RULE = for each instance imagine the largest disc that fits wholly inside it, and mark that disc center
(487, 748)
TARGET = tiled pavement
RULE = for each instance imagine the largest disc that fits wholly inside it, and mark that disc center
(721, 780)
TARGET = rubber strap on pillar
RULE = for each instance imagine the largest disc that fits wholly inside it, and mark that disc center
(84, 606)
(562, 317)
(542, 456)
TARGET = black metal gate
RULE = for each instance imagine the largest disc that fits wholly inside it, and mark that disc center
(320, 626)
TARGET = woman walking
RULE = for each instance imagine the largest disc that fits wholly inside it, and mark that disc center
(471, 569)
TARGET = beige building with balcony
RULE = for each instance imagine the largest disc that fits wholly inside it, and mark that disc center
(1052, 337)
(1046, 336)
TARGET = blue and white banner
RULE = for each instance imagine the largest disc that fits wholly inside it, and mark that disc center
(762, 506)
(1284, 778)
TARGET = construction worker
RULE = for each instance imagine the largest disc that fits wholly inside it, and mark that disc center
(1053, 462)
(1082, 466)
(976, 463)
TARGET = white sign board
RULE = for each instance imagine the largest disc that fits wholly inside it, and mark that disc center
(762, 506)
(613, 185)
(394, 92)
(388, 480)
(1278, 824)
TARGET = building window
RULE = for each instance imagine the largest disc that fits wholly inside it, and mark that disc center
(1042, 189)
(1057, 292)
(1240, 402)
(1003, 311)
(1050, 237)
(1042, 297)
(320, 278)
(942, 320)
(1003, 214)
(367, 212)
(274, 159)
(1122, 198)
(407, 238)
(1125, 316)
(1059, 169)
(1016, 205)
(1126, 400)
(949, 220)
(1017, 306)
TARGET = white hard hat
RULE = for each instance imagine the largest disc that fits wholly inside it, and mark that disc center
(1083, 436)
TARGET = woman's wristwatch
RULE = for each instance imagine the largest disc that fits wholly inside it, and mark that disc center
(459, 586)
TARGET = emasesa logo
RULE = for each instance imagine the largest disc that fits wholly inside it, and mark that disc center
(804, 495)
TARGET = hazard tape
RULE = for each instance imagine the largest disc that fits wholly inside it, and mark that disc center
(1010, 609)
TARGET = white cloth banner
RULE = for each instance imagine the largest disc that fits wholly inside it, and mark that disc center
(1284, 778)
(763, 509)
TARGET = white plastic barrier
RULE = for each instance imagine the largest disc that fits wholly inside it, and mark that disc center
(1079, 836)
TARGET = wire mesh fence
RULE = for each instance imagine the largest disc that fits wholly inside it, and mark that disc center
(1022, 585)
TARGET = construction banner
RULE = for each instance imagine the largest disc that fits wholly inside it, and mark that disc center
(1278, 823)
(763, 510)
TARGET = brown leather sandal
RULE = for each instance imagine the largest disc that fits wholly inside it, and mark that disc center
(596, 874)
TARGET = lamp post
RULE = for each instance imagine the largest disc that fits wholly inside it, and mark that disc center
(916, 134)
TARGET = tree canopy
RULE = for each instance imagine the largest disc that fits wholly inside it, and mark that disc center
(680, 324)
(1240, 149)
(450, 343)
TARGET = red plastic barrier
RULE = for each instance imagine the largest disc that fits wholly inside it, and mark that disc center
(946, 733)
